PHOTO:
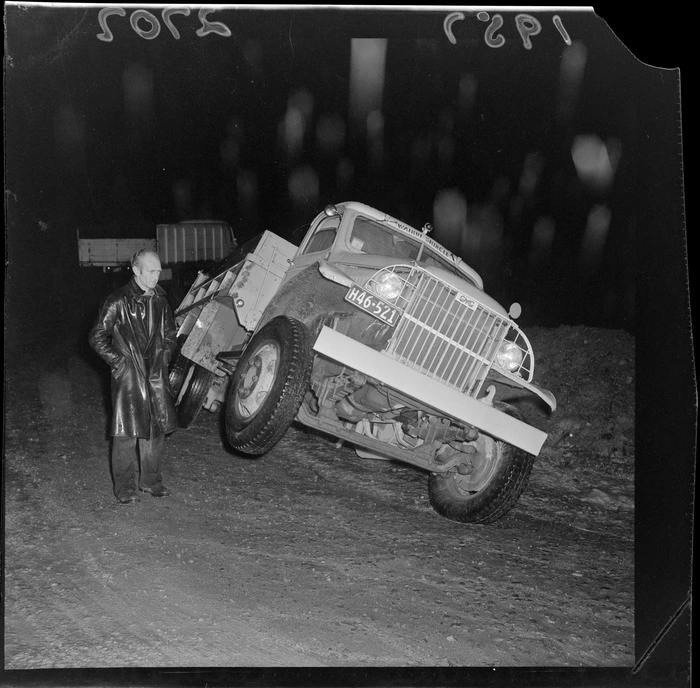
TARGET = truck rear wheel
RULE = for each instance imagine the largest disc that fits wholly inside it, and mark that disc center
(498, 475)
(178, 368)
(194, 391)
(268, 386)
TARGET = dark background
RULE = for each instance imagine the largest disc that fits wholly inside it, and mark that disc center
(258, 129)
(110, 138)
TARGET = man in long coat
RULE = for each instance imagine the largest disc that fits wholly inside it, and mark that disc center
(135, 335)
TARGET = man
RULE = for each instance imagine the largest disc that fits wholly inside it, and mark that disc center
(135, 334)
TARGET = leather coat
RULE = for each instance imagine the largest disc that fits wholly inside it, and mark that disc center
(135, 334)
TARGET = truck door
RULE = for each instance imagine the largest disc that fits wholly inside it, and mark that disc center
(316, 246)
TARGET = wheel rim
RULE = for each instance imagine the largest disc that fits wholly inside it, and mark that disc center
(185, 384)
(256, 381)
(483, 466)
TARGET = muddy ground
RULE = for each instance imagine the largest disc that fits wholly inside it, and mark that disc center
(310, 556)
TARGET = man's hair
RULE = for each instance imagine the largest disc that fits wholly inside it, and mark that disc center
(136, 258)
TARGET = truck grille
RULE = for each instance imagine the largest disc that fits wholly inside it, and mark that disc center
(447, 334)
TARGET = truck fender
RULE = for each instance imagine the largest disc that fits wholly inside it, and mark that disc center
(333, 274)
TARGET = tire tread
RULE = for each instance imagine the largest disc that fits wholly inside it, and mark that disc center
(269, 427)
(191, 403)
(510, 485)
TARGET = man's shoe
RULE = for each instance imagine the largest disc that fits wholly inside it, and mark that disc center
(158, 491)
(128, 498)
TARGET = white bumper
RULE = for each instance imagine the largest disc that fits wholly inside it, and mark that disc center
(427, 391)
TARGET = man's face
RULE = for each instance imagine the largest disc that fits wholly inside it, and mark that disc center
(148, 272)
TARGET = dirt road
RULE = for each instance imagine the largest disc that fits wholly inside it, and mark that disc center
(310, 556)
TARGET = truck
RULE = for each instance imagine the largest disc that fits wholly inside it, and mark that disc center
(372, 333)
(185, 248)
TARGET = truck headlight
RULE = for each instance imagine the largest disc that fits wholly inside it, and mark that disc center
(387, 285)
(509, 356)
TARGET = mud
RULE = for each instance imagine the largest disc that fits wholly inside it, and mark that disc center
(310, 556)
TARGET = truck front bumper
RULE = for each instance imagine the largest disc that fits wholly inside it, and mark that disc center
(429, 392)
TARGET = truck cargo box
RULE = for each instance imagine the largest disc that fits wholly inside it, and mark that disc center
(110, 252)
(194, 241)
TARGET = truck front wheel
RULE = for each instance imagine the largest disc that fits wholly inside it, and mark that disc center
(488, 488)
(268, 386)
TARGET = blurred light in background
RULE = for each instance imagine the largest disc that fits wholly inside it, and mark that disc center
(594, 237)
(182, 195)
(345, 175)
(375, 136)
(450, 219)
(292, 132)
(595, 163)
(367, 65)
(330, 134)
(230, 149)
(614, 148)
(532, 171)
(467, 93)
(420, 155)
(296, 120)
(137, 81)
(515, 210)
(541, 243)
(69, 129)
(483, 245)
(253, 53)
(487, 223)
(573, 65)
(433, 152)
(230, 152)
(303, 186)
(247, 190)
(500, 190)
(476, 238)
(445, 140)
(303, 101)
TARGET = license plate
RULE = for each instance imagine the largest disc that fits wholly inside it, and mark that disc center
(373, 305)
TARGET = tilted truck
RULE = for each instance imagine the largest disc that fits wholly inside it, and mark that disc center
(373, 333)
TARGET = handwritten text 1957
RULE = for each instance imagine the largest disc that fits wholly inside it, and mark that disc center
(526, 24)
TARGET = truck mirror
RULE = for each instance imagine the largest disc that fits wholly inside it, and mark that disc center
(331, 210)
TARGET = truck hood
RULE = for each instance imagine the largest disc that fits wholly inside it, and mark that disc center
(359, 266)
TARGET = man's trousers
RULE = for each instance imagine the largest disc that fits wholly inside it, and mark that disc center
(131, 453)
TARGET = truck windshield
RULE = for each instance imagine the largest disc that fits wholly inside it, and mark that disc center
(374, 238)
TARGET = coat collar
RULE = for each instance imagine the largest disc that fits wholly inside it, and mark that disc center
(136, 291)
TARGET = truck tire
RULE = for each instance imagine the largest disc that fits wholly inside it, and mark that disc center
(268, 386)
(491, 490)
(195, 392)
(178, 368)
